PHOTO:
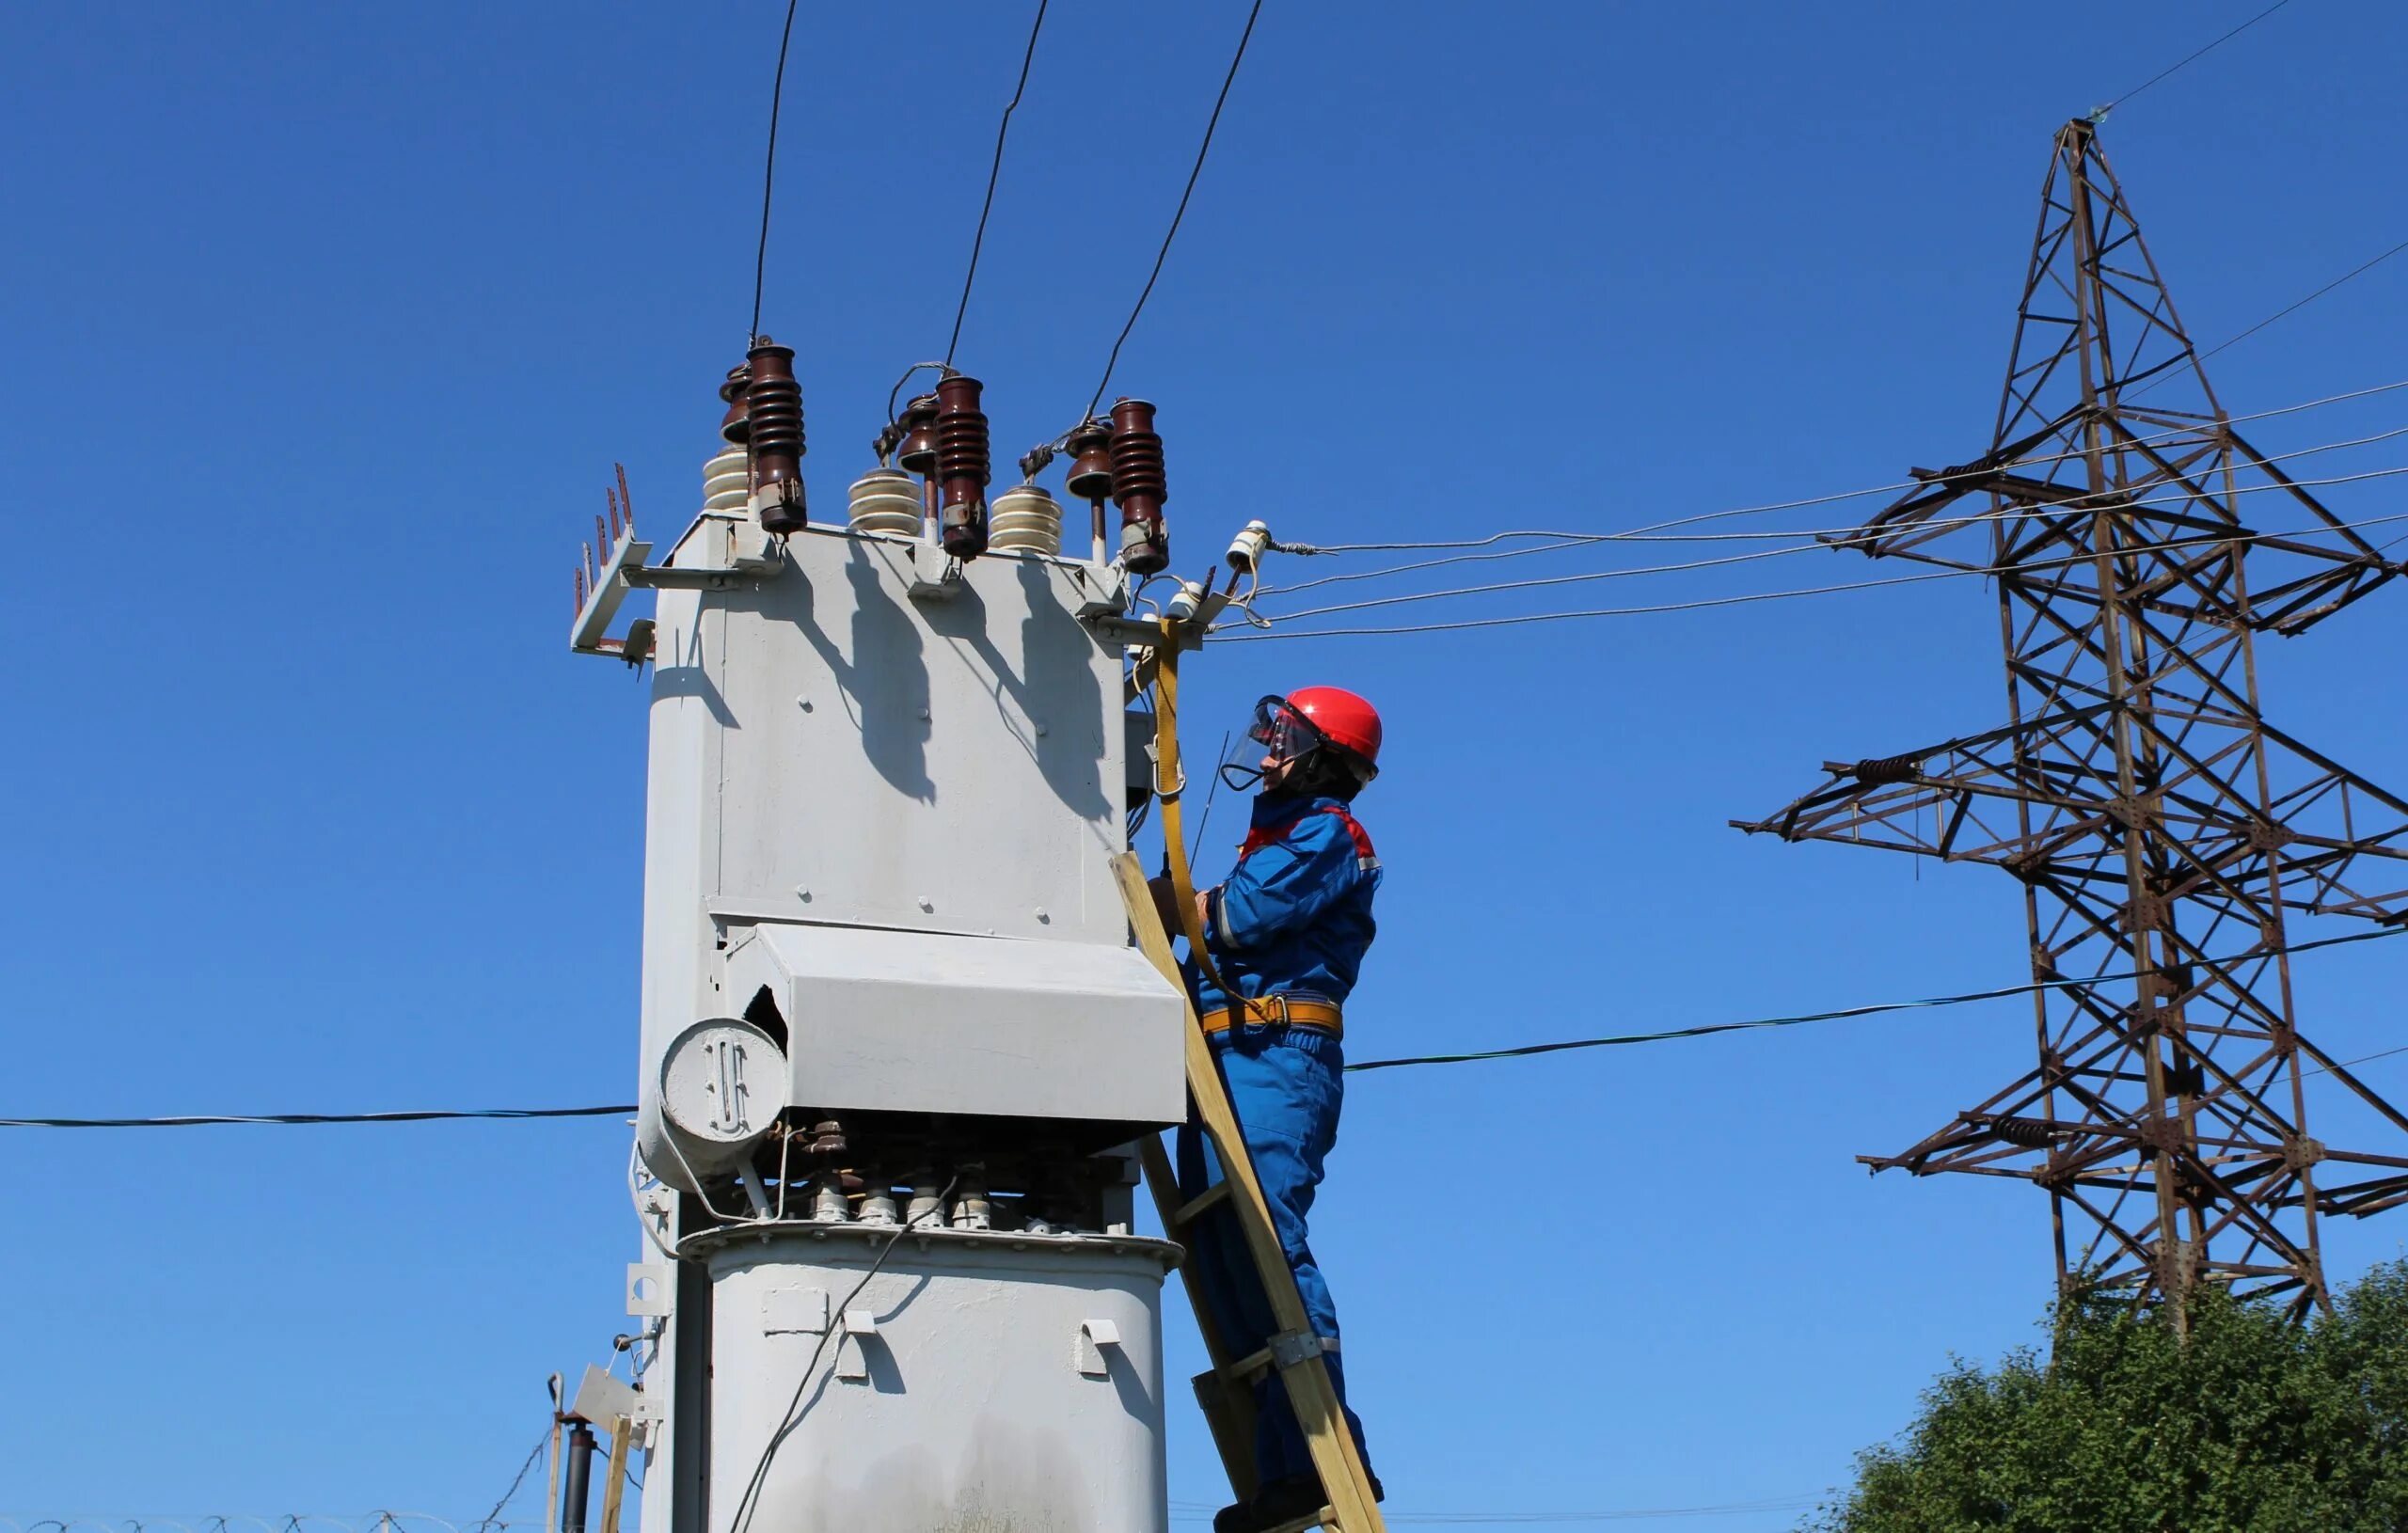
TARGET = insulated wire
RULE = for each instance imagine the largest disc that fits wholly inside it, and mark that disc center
(1709, 1029)
(1641, 533)
(2187, 60)
(750, 1502)
(1172, 233)
(294, 1119)
(994, 173)
(2355, 271)
(769, 170)
(1936, 525)
(520, 1478)
(1709, 601)
(1705, 1030)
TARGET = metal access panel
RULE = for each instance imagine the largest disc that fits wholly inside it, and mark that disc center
(914, 743)
(910, 1022)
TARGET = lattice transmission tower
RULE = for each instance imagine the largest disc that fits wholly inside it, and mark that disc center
(2161, 828)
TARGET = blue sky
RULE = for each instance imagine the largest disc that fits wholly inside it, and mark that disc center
(323, 326)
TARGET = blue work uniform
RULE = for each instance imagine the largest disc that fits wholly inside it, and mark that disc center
(1293, 918)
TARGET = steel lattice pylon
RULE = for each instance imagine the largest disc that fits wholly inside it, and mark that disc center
(2160, 828)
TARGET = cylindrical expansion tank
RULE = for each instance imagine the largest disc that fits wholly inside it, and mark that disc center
(981, 1382)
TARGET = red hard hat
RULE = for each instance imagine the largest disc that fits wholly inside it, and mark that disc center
(1342, 717)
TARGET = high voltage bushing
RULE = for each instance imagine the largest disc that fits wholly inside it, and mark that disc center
(773, 414)
(961, 467)
(917, 451)
(1138, 487)
(733, 427)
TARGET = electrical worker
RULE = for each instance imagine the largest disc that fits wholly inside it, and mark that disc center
(1286, 933)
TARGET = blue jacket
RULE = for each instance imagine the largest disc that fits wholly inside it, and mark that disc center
(1294, 916)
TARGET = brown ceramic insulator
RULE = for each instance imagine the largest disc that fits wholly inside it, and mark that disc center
(1138, 487)
(918, 453)
(962, 467)
(1090, 476)
(732, 426)
(773, 408)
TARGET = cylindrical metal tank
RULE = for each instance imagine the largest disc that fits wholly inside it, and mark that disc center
(980, 1382)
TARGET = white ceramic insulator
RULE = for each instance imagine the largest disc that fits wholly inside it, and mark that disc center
(1024, 517)
(727, 481)
(886, 500)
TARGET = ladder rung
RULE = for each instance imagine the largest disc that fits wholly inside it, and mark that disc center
(1324, 1518)
(1248, 1366)
(1197, 1205)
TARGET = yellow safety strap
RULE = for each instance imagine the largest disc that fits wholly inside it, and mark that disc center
(1170, 784)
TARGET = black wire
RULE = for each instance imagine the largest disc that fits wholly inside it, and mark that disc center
(1708, 1030)
(994, 173)
(1172, 233)
(287, 1119)
(2191, 58)
(517, 1479)
(1521, 1052)
(769, 170)
(749, 1503)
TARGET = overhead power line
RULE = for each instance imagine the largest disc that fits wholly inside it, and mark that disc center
(1517, 1052)
(207, 1120)
(769, 170)
(2188, 59)
(1655, 531)
(1704, 603)
(1811, 543)
(1163, 253)
(994, 173)
(1826, 498)
(2284, 313)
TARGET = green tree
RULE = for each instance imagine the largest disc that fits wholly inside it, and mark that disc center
(2253, 1426)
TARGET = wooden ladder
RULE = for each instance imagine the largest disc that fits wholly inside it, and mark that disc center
(1225, 1391)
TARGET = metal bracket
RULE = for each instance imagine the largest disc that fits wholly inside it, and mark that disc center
(652, 1301)
(1088, 1348)
(944, 588)
(753, 556)
(1290, 1348)
(859, 1326)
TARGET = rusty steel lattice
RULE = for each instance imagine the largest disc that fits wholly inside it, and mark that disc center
(2160, 828)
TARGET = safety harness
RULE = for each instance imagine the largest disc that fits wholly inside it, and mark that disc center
(1170, 780)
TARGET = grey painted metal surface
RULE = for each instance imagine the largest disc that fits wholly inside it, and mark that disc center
(884, 788)
(934, 1022)
(977, 1383)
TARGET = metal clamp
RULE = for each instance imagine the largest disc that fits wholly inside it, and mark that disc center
(1289, 1347)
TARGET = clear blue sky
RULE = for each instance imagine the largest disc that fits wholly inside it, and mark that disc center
(322, 326)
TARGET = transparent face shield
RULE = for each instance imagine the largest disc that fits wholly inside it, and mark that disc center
(1278, 734)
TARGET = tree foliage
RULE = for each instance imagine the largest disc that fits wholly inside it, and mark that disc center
(2253, 1426)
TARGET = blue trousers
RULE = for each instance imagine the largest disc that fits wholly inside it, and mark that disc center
(1285, 1083)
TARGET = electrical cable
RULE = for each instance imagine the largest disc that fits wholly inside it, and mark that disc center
(769, 170)
(2282, 314)
(289, 1119)
(1172, 233)
(1702, 604)
(1645, 534)
(515, 1481)
(1940, 524)
(2099, 115)
(1705, 1030)
(994, 173)
(792, 1416)
(1709, 1029)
